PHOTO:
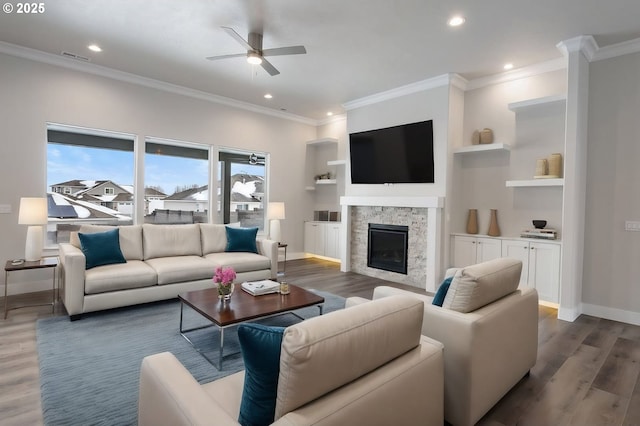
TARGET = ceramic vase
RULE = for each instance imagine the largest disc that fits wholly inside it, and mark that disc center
(472, 221)
(494, 229)
(486, 136)
(555, 164)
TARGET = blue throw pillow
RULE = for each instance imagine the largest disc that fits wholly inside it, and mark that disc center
(260, 347)
(438, 299)
(241, 239)
(101, 248)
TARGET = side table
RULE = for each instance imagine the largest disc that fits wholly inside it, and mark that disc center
(45, 262)
(284, 246)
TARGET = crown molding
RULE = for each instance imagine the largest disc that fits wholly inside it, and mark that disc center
(619, 49)
(408, 89)
(332, 119)
(585, 44)
(99, 70)
(517, 74)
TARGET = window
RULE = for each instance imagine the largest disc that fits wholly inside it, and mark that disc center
(82, 165)
(176, 182)
(242, 182)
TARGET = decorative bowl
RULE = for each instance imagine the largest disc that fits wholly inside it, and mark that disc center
(539, 224)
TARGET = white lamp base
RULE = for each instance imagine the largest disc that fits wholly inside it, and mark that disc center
(35, 243)
(274, 230)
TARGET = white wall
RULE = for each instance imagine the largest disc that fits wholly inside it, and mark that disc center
(611, 278)
(34, 93)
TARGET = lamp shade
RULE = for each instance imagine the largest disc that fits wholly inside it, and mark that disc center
(275, 210)
(33, 211)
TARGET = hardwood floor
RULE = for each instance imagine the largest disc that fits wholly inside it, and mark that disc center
(587, 373)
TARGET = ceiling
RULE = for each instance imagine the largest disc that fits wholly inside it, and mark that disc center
(355, 48)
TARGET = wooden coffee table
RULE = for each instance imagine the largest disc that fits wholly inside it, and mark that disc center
(242, 307)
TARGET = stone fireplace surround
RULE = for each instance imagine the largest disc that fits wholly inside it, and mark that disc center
(423, 215)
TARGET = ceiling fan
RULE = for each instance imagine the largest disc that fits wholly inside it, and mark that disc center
(255, 54)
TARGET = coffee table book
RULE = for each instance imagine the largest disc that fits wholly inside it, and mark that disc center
(259, 288)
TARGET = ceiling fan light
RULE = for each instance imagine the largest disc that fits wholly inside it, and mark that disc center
(253, 58)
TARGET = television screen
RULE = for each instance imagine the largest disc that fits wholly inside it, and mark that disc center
(399, 154)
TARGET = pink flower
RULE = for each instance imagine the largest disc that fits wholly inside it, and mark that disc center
(224, 276)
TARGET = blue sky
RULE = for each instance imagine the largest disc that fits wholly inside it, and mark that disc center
(65, 162)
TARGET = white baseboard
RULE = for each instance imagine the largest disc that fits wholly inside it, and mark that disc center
(614, 314)
(567, 314)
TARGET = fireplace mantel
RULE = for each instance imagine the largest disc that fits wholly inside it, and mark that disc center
(433, 208)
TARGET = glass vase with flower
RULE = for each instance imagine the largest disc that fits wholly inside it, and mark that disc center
(224, 277)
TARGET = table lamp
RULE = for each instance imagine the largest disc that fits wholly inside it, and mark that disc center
(275, 213)
(33, 212)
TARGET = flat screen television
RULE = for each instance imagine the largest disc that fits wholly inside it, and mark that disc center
(398, 154)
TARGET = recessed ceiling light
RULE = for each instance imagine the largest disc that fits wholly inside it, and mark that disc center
(268, 96)
(94, 48)
(508, 66)
(456, 21)
(329, 114)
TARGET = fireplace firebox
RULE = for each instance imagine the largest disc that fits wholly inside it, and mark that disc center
(387, 247)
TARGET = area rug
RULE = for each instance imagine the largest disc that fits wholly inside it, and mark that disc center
(89, 369)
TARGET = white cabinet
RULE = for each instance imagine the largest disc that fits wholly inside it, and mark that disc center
(322, 239)
(469, 250)
(540, 266)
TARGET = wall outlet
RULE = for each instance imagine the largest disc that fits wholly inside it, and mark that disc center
(632, 225)
(5, 208)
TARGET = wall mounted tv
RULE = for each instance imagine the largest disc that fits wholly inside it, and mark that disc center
(399, 154)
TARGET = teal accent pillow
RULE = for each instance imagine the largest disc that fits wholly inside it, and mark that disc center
(438, 299)
(241, 239)
(101, 248)
(260, 347)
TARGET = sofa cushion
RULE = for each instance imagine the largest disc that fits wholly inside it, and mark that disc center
(121, 276)
(241, 239)
(323, 353)
(214, 238)
(130, 238)
(440, 295)
(240, 261)
(177, 269)
(101, 248)
(171, 240)
(260, 347)
(478, 285)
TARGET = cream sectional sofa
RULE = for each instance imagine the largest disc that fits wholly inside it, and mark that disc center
(162, 261)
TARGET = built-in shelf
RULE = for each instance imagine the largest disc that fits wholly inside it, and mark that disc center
(326, 182)
(483, 148)
(535, 182)
(514, 106)
(336, 162)
(322, 141)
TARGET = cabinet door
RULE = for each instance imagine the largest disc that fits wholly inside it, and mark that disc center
(488, 249)
(313, 238)
(464, 251)
(332, 244)
(517, 249)
(544, 270)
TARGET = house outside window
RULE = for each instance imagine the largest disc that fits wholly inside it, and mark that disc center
(82, 165)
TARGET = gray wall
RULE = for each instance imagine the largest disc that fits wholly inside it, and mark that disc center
(34, 93)
(611, 257)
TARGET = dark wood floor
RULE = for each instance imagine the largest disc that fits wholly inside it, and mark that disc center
(587, 371)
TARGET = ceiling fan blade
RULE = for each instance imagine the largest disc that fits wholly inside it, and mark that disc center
(234, 55)
(289, 50)
(238, 38)
(269, 68)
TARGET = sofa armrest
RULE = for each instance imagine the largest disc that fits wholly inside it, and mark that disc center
(269, 248)
(169, 395)
(73, 264)
(354, 301)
